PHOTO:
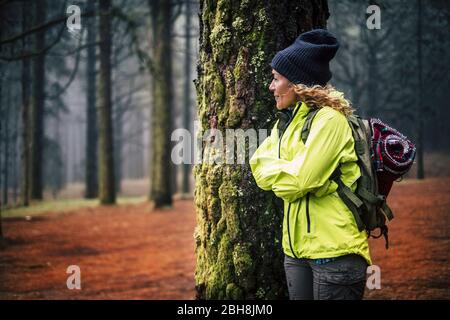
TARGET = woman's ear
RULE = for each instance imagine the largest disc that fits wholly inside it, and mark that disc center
(291, 86)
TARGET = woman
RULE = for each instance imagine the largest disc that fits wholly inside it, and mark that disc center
(325, 255)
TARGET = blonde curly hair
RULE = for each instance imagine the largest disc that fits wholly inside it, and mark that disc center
(323, 96)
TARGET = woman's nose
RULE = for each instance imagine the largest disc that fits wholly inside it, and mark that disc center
(272, 86)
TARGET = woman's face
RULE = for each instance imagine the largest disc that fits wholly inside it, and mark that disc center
(283, 90)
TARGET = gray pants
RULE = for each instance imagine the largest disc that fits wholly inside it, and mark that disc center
(341, 279)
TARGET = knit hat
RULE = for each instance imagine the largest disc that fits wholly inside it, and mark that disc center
(306, 61)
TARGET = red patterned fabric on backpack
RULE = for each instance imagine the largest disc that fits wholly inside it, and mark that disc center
(393, 154)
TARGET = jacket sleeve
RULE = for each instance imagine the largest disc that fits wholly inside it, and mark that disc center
(329, 143)
(264, 164)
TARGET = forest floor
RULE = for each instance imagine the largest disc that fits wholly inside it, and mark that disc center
(132, 252)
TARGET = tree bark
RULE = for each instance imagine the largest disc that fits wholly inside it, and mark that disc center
(25, 146)
(187, 94)
(107, 193)
(6, 140)
(238, 236)
(91, 178)
(420, 108)
(37, 106)
(118, 145)
(161, 168)
(1, 141)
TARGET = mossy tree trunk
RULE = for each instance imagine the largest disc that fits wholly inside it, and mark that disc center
(107, 192)
(238, 236)
(161, 167)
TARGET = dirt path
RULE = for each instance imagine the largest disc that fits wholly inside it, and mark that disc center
(128, 252)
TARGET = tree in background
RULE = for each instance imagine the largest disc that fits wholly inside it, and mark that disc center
(161, 167)
(37, 104)
(238, 236)
(25, 145)
(91, 176)
(187, 91)
(107, 194)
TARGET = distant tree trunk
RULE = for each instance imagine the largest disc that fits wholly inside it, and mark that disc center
(6, 138)
(1, 139)
(91, 178)
(420, 108)
(37, 105)
(118, 145)
(137, 167)
(187, 93)
(25, 146)
(105, 151)
(14, 155)
(161, 164)
(238, 237)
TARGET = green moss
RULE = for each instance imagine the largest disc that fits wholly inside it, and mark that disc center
(233, 292)
(260, 293)
(220, 39)
(240, 68)
(230, 203)
(213, 208)
(244, 265)
(235, 114)
(223, 114)
(214, 89)
(221, 273)
(238, 23)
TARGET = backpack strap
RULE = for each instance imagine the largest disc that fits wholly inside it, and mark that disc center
(308, 122)
(387, 211)
(349, 198)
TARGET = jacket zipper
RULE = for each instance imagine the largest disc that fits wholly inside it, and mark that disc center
(289, 231)
(308, 220)
(279, 156)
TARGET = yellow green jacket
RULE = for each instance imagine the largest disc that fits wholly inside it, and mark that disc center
(316, 220)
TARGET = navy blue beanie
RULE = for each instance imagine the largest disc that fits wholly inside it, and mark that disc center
(306, 61)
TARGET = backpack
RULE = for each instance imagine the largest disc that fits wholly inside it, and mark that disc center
(384, 155)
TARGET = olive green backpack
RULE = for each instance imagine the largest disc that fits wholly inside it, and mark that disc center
(367, 205)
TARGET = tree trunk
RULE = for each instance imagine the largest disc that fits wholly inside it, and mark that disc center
(1, 140)
(105, 151)
(25, 146)
(91, 178)
(118, 132)
(14, 155)
(161, 164)
(238, 236)
(6, 137)
(420, 107)
(187, 94)
(37, 106)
